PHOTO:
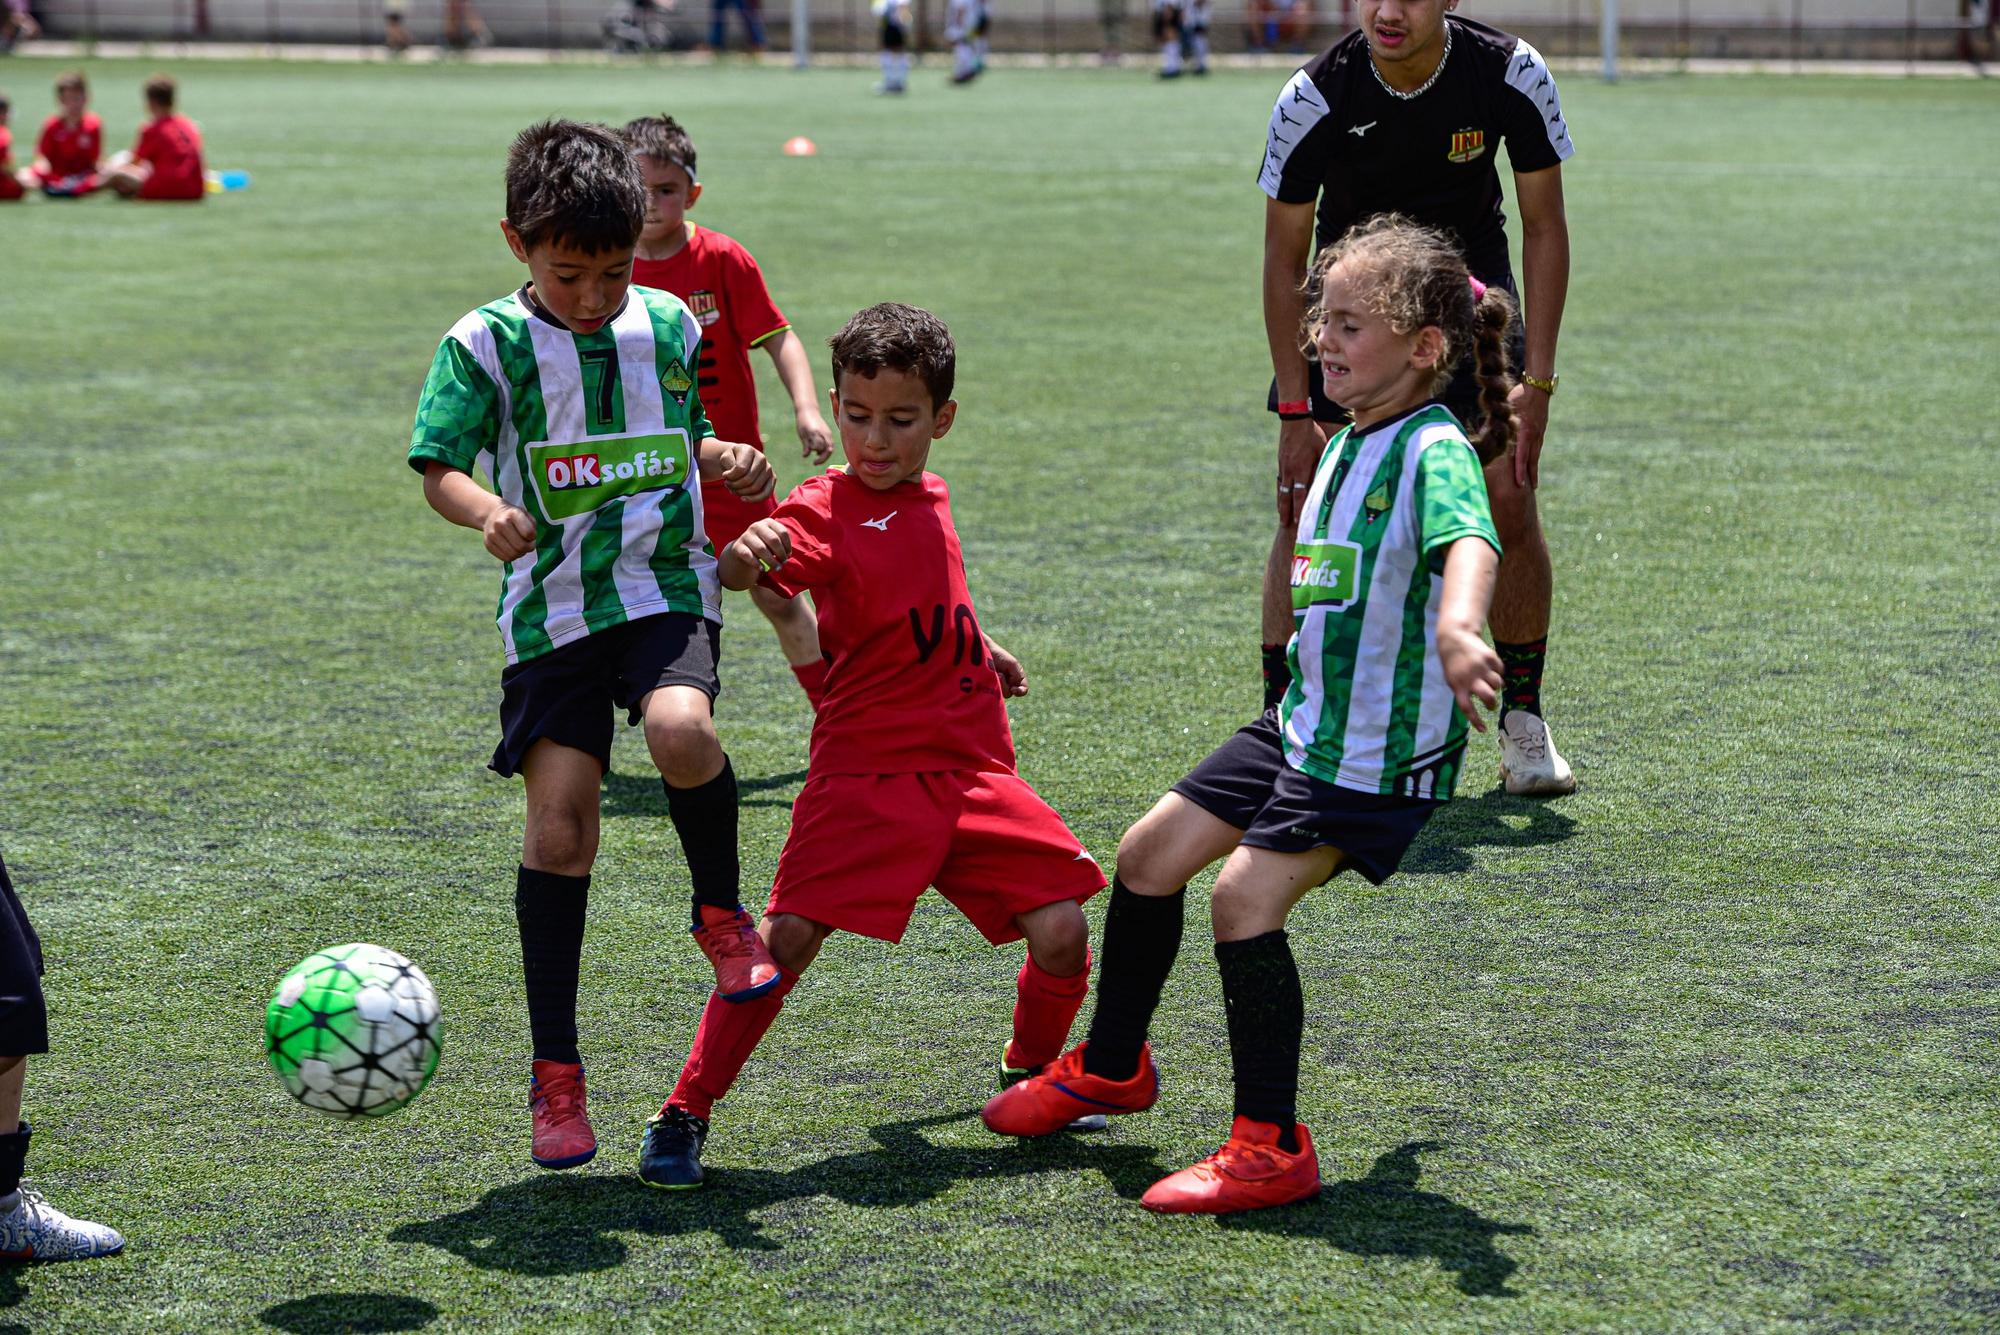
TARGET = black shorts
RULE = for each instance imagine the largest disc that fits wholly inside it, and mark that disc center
(1245, 782)
(24, 1016)
(1461, 393)
(894, 36)
(567, 694)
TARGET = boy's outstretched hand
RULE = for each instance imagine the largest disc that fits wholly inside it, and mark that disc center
(1471, 669)
(815, 437)
(509, 532)
(1013, 677)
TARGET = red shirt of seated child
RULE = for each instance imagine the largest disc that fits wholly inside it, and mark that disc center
(172, 145)
(71, 150)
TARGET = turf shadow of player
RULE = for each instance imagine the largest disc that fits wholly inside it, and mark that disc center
(566, 1226)
(1490, 820)
(327, 1313)
(1383, 1214)
(634, 795)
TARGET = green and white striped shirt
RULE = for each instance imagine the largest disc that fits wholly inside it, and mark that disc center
(1368, 707)
(597, 436)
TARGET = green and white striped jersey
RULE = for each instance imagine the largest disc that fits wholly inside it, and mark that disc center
(597, 436)
(1368, 708)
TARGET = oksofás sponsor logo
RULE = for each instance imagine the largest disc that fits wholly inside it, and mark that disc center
(578, 477)
(1325, 574)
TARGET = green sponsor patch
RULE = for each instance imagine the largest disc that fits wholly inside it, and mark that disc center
(1325, 574)
(578, 477)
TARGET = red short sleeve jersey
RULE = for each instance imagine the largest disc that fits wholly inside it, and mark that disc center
(908, 687)
(72, 150)
(725, 289)
(6, 147)
(173, 145)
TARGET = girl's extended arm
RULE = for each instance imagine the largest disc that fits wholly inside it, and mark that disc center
(1471, 668)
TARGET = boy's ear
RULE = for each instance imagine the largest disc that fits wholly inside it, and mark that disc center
(513, 241)
(694, 194)
(942, 423)
(1429, 347)
(833, 400)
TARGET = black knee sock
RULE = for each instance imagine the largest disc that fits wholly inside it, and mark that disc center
(550, 910)
(1267, 1013)
(1277, 673)
(1521, 665)
(13, 1159)
(705, 819)
(1142, 934)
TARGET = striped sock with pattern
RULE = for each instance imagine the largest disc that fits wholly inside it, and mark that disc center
(1521, 669)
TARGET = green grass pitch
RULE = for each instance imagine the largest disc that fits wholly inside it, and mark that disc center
(1708, 1046)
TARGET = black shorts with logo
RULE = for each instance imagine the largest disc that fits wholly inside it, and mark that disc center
(24, 1016)
(1245, 782)
(567, 695)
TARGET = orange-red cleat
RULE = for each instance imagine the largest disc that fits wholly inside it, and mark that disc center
(744, 969)
(562, 1135)
(1063, 1091)
(1249, 1172)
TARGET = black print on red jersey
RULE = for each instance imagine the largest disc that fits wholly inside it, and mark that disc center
(968, 645)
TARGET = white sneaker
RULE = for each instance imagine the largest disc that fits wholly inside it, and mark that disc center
(1529, 763)
(34, 1230)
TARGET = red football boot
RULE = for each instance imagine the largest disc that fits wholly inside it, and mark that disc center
(744, 969)
(1249, 1172)
(1063, 1091)
(562, 1136)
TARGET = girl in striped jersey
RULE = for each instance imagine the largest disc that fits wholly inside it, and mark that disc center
(1392, 573)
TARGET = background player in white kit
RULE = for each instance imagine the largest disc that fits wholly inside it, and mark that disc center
(894, 18)
(965, 25)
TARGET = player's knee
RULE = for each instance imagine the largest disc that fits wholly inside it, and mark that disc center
(559, 840)
(1144, 866)
(1058, 938)
(684, 748)
(793, 941)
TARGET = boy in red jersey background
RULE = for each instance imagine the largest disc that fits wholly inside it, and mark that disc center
(65, 164)
(913, 782)
(722, 284)
(9, 187)
(165, 162)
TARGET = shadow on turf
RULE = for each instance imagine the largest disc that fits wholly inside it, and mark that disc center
(1490, 820)
(1384, 1214)
(640, 795)
(564, 1225)
(330, 1312)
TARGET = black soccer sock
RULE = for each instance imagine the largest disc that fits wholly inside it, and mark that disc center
(705, 818)
(1277, 674)
(550, 910)
(1267, 1014)
(14, 1159)
(1142, 934)
(1521, 665)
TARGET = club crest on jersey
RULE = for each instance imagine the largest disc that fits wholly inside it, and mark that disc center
(1467, 145)
(676, 381)
(1376, 503)
(705, 307)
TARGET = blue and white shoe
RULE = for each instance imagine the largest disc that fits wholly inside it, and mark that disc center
(33, 1230)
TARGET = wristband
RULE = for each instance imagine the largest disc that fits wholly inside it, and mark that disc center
(1536, 382)
(1294, 410)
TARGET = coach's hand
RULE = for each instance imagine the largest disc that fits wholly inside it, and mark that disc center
(1300, 443)
(509, 532)
(1531, 419)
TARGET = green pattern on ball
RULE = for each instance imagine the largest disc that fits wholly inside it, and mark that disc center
(353, 1031)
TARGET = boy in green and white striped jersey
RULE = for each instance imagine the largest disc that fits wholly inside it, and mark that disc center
(1392, 574)
(577, 396)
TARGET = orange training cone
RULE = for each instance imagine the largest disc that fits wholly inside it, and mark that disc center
(800, 147)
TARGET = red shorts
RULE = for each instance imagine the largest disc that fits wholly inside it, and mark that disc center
(864, 847)
(726, 515)
(9, 187)
(157, 186)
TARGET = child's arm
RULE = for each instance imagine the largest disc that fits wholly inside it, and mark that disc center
(764, 546)
(1013, 677)
(1471, 668)
(742, 468)
(509, 531)
(788, 354)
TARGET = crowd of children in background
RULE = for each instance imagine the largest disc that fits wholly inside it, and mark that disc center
(164, 162)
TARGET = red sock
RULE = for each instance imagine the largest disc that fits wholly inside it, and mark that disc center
(812, 679)
(1044, 1008)
(727, 1035)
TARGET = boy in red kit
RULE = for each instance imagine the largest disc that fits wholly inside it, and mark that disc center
(66, 158)
(9, 187)
(719, 280)
(913, 781)
(166, 161)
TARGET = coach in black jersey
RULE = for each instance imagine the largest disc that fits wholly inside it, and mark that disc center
(1407, 115)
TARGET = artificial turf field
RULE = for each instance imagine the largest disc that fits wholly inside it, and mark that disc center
(1709, 1045)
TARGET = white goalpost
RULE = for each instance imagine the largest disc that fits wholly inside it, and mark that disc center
(1607, 38)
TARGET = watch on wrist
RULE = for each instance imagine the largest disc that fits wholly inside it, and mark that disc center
(1546, 386)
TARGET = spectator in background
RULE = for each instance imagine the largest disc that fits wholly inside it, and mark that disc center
(395, 34)
(753, 25)
(463, 28)
(17, 25)
(165, 163)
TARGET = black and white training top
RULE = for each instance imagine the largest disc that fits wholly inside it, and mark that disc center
(1337, 134)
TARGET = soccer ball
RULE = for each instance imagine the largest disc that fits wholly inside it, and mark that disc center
(353, 1031)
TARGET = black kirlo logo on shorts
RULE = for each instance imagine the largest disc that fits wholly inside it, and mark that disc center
(967, 646)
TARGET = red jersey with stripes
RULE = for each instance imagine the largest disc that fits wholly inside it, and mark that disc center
(725, 289)
(909, 686)
(72, 150)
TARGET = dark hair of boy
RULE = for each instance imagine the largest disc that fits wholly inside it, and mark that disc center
(901, 338)
(663, 139)
(160, 92)
(5, 105)
(69, 79)
(574, 184)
